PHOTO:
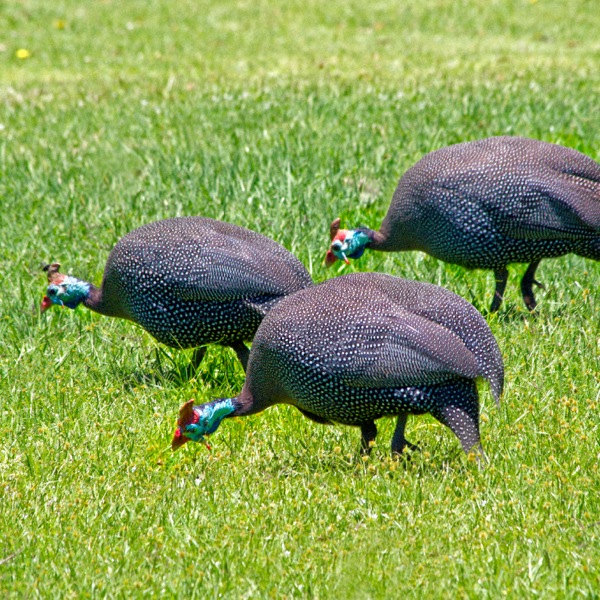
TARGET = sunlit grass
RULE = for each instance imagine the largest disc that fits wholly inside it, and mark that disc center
(280, 117)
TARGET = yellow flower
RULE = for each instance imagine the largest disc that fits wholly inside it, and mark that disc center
(23, 53)
(60, 24)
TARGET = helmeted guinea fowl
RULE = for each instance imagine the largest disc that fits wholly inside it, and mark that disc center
(363, 346)
(188, 281)
(489, 203)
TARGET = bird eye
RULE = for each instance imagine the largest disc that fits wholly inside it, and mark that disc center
(337, 245)
(51, 291)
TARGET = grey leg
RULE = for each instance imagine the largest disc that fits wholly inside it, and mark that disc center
(242, 353)
(198, 356)
(501, 279)
(369, 433)
(399, 442)
(527, 284)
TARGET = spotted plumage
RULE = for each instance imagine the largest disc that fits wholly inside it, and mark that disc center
(364, 346)
(487, 204)
(189, 282)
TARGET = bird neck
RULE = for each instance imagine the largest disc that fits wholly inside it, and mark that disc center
(94, 300)
(376, 239)
(214, 412)
(98, 301)
(194, 423)
(244, 403)
(68, 291)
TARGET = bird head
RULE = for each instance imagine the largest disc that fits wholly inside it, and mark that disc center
(345, 243)
(63, 290)
(187, 416)
(195, 422)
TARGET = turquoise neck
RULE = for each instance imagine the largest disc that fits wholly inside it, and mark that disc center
(70, 292)
(209, 418)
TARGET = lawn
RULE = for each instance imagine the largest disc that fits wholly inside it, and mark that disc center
(280, 116)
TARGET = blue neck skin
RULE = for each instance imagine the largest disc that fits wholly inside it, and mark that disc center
(211, 415)
(70, 292)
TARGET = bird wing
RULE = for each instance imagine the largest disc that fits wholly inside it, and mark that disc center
(397, 350)
(556, 205)
(223, 274)
(448, 310)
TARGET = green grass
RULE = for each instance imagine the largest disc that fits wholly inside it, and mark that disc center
(280, 117)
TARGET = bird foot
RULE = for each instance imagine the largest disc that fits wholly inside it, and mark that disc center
(400, 450)
(530, 302)
(496, 302)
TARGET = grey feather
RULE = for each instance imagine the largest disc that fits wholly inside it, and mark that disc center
(192, 281)
(362, 346)
(493, 202)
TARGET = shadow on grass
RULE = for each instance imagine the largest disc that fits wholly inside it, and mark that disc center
(176, 369)
(512, 313)
(296, 457)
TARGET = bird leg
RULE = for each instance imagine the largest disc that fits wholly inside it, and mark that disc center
(198, 356)
(399, 442)
(501, 276)
(527, 283)
(369, 433)
(242, 352)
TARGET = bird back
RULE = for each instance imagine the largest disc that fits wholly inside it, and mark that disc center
(368, 330)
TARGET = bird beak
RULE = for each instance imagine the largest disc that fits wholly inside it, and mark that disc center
(178, 439)
(330, 258)
(45, 304)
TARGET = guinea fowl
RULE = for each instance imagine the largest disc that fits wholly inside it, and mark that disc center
(486, 204)
(363, 346)
(188, 281)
